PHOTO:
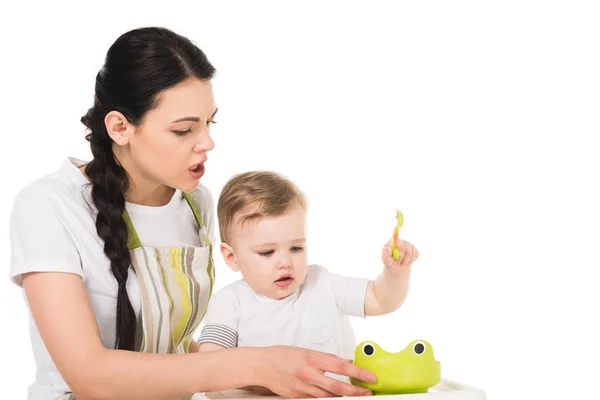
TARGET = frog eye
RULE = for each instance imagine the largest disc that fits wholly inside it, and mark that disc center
(368, 349)
(419, 348)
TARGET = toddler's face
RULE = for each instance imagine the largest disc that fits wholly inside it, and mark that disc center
(271, 252)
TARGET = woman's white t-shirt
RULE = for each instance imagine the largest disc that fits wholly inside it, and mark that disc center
(52, 228)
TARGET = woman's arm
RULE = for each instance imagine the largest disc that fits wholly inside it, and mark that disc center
(66, 322)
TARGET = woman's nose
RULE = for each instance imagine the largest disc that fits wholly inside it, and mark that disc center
(205, 143)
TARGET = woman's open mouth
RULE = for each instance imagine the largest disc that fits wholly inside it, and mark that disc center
(197, 171)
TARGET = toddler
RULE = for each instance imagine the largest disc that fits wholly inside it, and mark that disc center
(283, 300)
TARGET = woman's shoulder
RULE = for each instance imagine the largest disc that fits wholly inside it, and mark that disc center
(204, 201)
(54, 192)
(203, 198)
(48, 219)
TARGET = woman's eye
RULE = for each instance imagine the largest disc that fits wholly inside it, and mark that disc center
(266, 253)
(183, 133)
(212, 121)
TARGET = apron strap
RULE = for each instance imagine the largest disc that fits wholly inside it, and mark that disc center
(197, 215)
(133, 240)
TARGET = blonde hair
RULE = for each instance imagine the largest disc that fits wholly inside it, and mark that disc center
(271, 194)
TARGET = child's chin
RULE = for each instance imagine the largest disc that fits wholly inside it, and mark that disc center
(283, 292)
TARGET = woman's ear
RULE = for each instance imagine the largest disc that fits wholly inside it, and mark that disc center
(118, 128)
(229, 256)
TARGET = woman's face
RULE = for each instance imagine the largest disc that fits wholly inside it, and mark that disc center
(171, 144)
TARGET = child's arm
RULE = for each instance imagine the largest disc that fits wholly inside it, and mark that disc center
(387, 293)
(209, 347)
(196, 348)
(193, 346)
(220, 329)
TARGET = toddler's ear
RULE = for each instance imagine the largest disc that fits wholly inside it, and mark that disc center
(229, 256)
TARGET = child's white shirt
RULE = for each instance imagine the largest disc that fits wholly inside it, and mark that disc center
(310, 317)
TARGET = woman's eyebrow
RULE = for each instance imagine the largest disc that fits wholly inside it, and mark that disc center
(194, 119)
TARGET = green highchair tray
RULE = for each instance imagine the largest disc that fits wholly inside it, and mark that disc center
(412, 370)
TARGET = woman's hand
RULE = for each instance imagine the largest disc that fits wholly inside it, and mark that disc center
(295, 372)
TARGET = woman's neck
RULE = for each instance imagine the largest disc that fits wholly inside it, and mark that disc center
(149, 195)
(142, 191)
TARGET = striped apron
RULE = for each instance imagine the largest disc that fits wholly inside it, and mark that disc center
(175, 286)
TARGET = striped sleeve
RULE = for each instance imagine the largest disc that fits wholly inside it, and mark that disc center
(219, 334)
(221, 319)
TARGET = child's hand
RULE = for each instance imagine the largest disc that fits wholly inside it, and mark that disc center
(408, 254)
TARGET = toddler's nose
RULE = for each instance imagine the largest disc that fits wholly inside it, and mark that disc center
(283, 263)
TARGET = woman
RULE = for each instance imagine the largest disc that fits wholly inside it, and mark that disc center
(115, 255)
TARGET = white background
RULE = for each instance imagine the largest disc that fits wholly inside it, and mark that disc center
(478, 119)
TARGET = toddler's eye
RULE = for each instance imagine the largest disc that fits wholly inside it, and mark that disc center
(297, 249)
(266, 253)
